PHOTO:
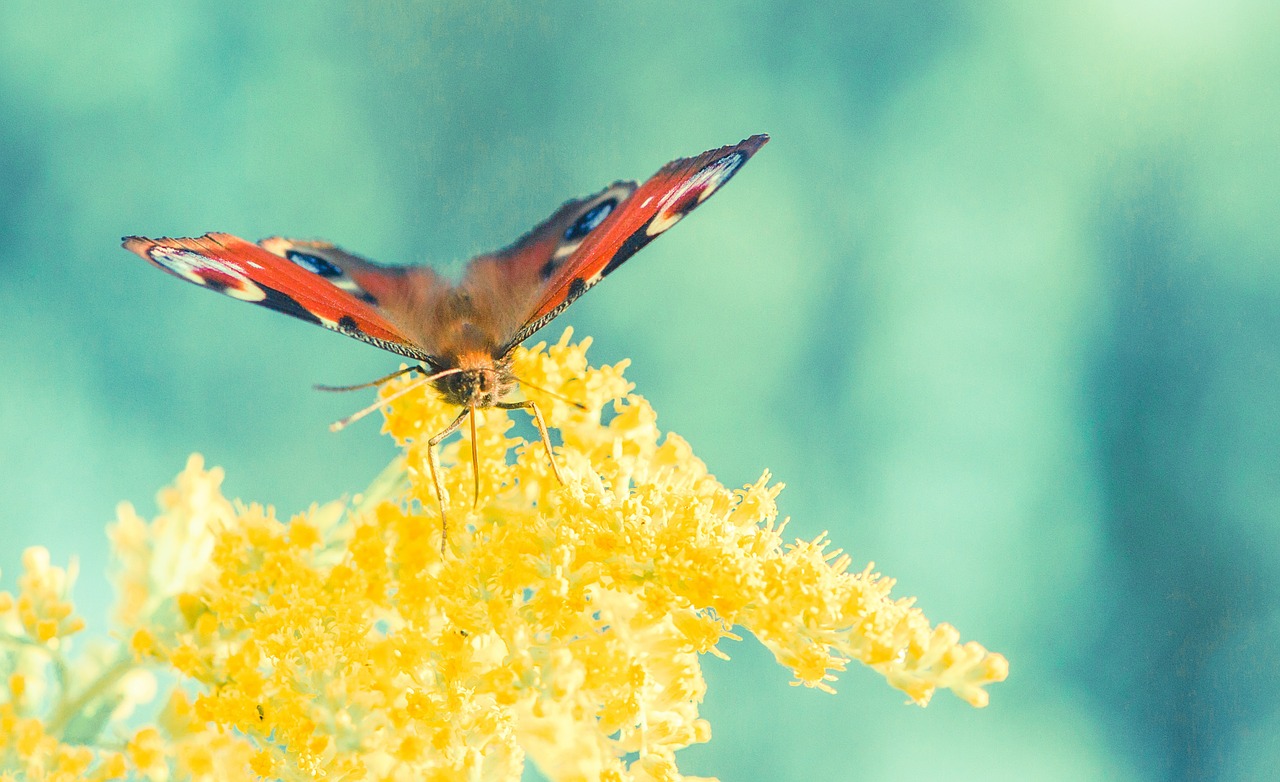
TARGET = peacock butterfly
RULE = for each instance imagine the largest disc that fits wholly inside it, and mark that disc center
(462, 335)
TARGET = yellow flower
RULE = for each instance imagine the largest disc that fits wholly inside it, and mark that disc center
(160, 561)
(564, 624)
(146, 750)
(59, 716)
(42, 607)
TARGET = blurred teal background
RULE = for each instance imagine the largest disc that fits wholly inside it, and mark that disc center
(999, 303)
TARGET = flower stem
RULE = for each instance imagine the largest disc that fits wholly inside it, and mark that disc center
(68, 708)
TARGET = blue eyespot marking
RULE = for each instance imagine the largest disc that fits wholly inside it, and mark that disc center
(314, 264)
(590, 220)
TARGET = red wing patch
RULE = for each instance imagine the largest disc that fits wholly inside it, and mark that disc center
(246, 271)
(661, 202)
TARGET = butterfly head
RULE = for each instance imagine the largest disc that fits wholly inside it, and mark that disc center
(480, 382)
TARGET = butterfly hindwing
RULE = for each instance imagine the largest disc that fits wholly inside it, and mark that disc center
(423, 305)
(313, 289)
(657, 205)
(505, 286)
(491, 303)
(536, 257)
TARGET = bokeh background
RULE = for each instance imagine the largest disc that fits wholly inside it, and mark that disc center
(1000, 303)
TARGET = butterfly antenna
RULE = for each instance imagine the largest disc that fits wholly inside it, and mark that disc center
(550, 393)
(371, 383)
(356, 416)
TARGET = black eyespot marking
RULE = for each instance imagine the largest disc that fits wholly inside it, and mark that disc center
(367, 298)
(577, 288)
(590, 220)
(314, 264)
(214, 284)
(348, 324)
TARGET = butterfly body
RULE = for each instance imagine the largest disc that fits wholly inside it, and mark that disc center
(461, 334)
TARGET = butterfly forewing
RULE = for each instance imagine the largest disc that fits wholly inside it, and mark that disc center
(249, 272)
(661, 202)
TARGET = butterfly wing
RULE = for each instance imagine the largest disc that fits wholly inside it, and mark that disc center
(591, 245)
(311, 281)
(503, 297)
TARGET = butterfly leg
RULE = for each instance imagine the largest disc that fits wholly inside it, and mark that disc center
(475, 464)
(542, 430)
(434, 462)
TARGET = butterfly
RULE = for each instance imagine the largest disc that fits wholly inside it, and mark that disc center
(461, 335)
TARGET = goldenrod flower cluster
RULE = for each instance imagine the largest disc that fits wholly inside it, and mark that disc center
(564, 624)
